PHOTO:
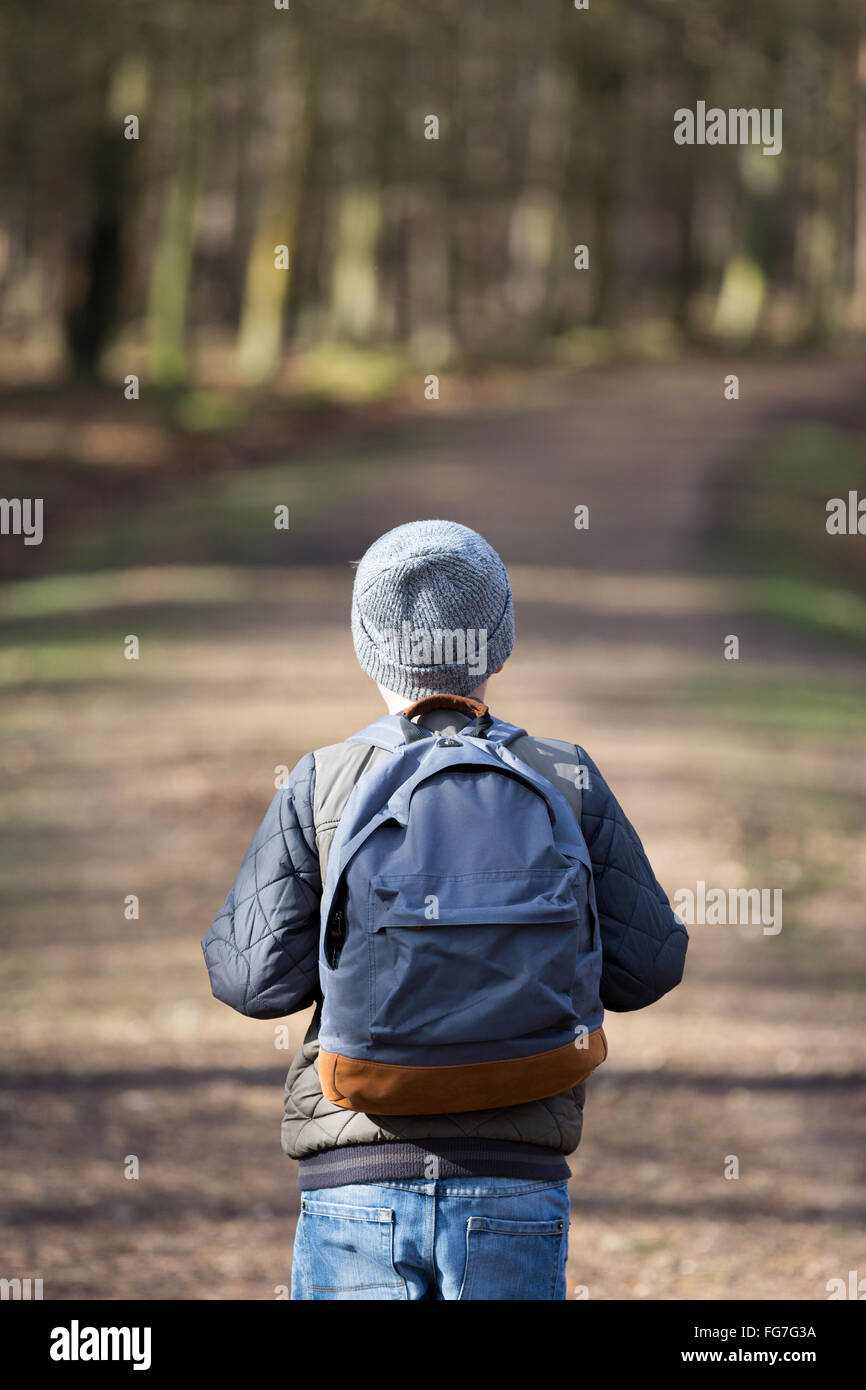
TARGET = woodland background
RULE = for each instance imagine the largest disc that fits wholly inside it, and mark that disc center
(305, 388)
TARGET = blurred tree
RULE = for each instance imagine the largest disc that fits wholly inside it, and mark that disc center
(859, 276)
(287, 91)
(536, 215)
(93, 269)
(357, 208)
(306, 128)
(187, 97)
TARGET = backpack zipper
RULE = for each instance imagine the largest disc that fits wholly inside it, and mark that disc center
(336, 935)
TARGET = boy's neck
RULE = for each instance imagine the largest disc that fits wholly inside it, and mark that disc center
(397, 703)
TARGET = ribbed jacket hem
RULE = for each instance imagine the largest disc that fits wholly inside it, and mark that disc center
(398, 1161)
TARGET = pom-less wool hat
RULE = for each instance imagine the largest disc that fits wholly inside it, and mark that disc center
(432, 610)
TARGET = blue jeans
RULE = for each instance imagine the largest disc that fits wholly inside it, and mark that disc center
(455, 1238)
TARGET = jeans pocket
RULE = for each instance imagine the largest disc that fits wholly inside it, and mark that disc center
(516, 1260)
(349, 1251)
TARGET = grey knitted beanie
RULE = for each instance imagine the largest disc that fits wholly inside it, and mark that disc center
(431, 610)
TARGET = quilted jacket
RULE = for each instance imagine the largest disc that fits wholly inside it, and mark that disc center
(262, 950)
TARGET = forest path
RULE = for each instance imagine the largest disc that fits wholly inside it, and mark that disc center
(151, 780)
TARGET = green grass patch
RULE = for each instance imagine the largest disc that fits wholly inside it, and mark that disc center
(770, 528)
(815, 607)
(347, 375)
(813, 459)
(228, 519)
(70, 663)
(787, 707)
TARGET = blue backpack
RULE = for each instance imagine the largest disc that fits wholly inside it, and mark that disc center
(460, 954)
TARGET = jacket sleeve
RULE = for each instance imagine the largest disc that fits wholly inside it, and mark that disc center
(643, 941)
(262, 950)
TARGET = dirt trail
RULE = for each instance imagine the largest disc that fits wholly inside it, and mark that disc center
(151, 781)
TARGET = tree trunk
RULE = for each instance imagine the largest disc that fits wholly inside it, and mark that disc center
(535, 220)
(858, 303)
(266, 288)
(172, 264)
(354, 276)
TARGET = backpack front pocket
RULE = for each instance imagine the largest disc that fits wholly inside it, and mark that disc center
(475, 957)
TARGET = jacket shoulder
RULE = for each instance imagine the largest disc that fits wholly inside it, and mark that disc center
(561, 762)
(337, 768)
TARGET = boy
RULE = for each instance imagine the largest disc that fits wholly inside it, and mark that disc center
(470, 1203)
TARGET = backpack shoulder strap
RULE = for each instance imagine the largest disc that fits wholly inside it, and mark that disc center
(338, 768)
(341, 765)
(386, 732)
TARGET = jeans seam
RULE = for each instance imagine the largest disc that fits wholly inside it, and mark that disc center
(392, 1262)
(307, 1281)
(555, 1271)
(466, 1281)
(430, 1201)
(560, 1266)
